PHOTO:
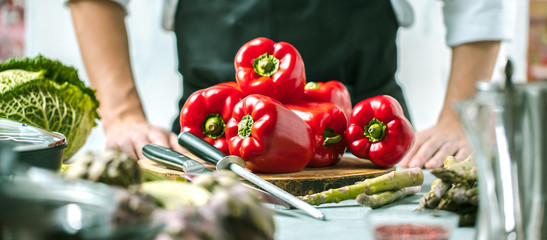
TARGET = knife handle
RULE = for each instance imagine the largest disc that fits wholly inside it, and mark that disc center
(166, 156)
(201, 148)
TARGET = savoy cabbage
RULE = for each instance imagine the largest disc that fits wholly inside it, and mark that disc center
(48, 94)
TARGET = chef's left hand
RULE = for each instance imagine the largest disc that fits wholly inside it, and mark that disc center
(434, 144)
(471, 62)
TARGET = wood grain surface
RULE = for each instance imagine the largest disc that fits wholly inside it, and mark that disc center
(309, 180)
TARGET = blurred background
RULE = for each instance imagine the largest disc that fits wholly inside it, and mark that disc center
(424, 58)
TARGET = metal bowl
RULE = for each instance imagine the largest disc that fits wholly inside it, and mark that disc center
(33, 145)
(40, 204)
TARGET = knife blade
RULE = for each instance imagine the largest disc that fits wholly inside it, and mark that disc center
(210, 153)
(177, 161)
(173, 159)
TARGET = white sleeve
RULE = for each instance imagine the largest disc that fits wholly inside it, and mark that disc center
(122, 3)
(478, 20)
(168, 16)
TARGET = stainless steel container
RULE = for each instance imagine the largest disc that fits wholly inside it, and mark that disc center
(39, 204)
(506, 124)
(33, 146)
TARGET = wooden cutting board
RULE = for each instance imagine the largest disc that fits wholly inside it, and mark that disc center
(307, 181)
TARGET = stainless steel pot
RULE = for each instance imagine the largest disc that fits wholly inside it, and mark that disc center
(32, 145)
(38, 204)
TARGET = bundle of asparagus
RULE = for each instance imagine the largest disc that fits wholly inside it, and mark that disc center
(390, 186)
(455, 189)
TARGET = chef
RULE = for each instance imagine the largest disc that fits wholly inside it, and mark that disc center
(350, 41)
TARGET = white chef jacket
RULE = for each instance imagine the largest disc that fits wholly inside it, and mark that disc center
(465, 20)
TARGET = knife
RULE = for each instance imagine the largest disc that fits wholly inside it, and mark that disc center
(177, 161)
(210, 153)
(173, 159)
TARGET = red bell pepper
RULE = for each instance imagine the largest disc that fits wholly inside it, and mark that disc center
(269, 136)
(332, 91)
(328, 123)
(272, 69)
(231, 84)
(206, 112)
(379, 131)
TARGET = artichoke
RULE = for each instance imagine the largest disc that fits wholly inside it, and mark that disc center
(231, 212)
(111, 167)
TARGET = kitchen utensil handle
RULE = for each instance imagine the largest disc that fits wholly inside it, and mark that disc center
(165, 155)
(200, 147)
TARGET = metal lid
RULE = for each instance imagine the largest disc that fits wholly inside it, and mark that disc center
(24, 137)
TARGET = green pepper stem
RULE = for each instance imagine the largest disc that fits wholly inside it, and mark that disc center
(213, 126)
(375, 130)
(311, 86)
(329, 137)
(244, 126)
(266, 65)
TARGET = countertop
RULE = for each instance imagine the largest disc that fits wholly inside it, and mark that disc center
(347, 219)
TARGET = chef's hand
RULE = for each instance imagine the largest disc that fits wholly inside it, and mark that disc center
(103, 40)
(471, 62)
(433, 145)
(131, 137)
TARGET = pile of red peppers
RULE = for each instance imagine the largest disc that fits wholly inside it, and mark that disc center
(279, 123)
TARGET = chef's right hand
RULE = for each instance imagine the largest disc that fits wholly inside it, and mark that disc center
(130, 137)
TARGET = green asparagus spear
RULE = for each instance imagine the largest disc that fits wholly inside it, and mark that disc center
(394, 180)
(460, 172)
(388, 182)
(387, 197)
(434, 196)
(334, 195)
(463, 194)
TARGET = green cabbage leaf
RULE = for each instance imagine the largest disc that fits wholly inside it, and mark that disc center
(47, 94)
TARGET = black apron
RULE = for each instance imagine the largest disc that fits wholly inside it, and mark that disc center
(352, 41)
